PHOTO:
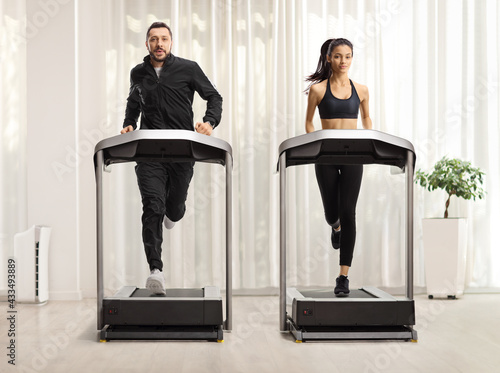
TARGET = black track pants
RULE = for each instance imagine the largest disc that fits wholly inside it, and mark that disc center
(339, 187)
(164, 188)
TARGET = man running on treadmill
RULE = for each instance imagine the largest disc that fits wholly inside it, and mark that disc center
(161, 91)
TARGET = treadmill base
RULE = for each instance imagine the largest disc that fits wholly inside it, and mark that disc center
(403, 332)
(128, 332)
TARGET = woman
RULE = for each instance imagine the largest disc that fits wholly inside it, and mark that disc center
(338, 100)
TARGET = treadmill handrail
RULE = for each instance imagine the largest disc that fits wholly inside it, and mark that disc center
(345, 147)
(162, 146)
(311, 143)
(138, 136)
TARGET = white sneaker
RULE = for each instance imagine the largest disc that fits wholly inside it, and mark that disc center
(169, 224)
(156, 282)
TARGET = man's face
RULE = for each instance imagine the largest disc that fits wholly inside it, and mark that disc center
(159, 43)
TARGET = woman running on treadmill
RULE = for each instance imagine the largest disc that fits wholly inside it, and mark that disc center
(338, 100)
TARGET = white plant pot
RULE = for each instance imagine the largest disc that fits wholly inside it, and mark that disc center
(445, 249)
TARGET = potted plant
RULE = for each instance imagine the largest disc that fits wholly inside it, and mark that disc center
(445, 239)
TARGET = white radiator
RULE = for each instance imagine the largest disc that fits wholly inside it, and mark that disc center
(31, 251)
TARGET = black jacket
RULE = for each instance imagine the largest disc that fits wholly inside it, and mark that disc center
(166, 102)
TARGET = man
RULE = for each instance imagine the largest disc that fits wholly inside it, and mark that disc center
(161, 91)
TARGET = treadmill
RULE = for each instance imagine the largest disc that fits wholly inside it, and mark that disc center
(367, 313)
(137, 313)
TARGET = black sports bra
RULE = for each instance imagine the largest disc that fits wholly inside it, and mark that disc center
(332, 107)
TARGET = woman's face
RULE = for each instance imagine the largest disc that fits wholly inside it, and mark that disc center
(340, 59)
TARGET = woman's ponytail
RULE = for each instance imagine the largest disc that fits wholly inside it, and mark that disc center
(323, 69)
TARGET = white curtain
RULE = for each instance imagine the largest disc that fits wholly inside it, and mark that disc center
(12, 128)
(432, 71)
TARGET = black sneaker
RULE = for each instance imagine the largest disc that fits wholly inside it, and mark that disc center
(342, 288)
(336, 238)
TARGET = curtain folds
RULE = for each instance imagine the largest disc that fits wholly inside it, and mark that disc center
(432, 69)
(13, 40)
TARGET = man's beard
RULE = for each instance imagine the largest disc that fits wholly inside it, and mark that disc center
(153, 56)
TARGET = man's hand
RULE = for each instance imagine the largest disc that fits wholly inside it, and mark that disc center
(203, 128)
(127, 129)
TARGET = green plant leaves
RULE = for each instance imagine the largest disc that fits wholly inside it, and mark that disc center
(454, 176)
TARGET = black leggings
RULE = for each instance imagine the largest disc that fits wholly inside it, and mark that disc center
(164, 188)
(339, 187)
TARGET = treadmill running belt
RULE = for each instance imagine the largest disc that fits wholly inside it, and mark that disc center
(170, 293)
(355, 293)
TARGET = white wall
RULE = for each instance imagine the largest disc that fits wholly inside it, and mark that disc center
(92, 119)
(52, 171)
